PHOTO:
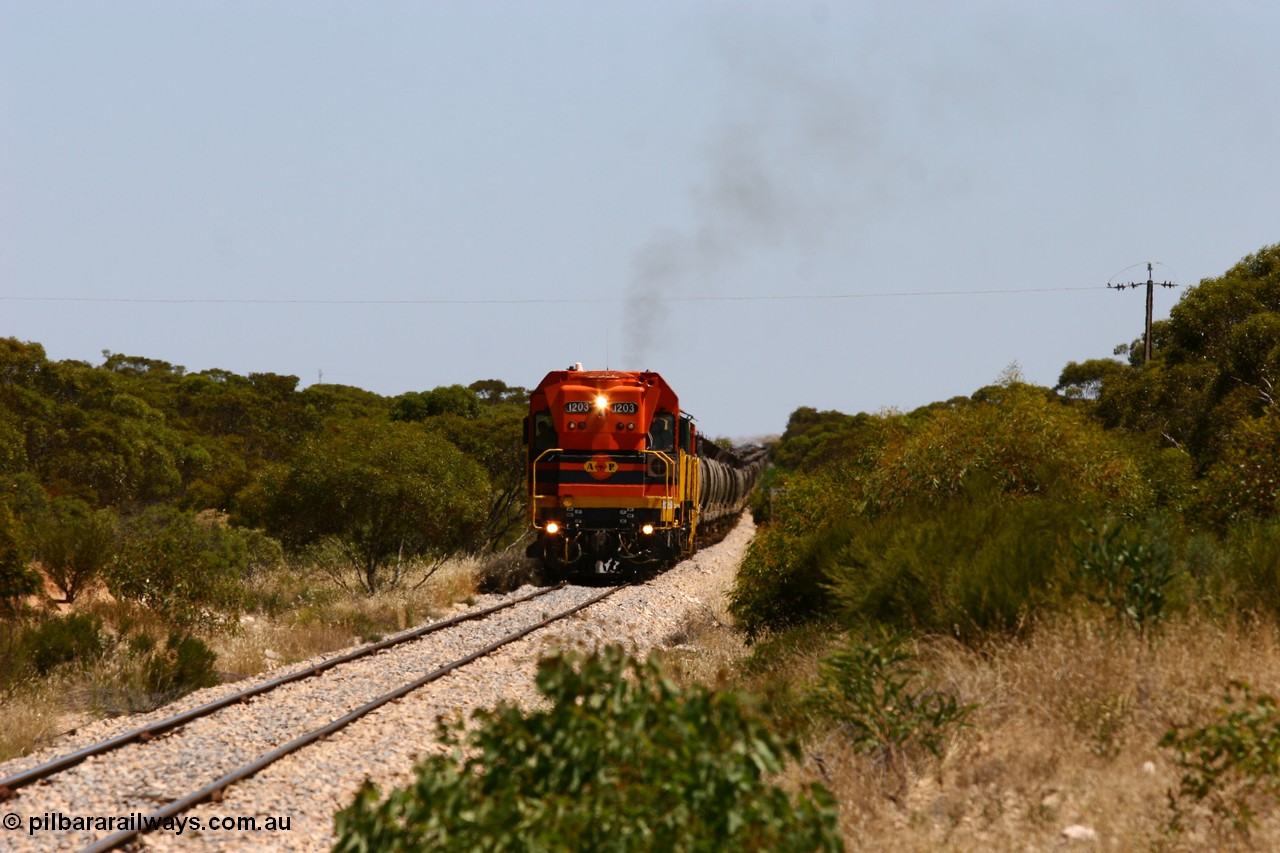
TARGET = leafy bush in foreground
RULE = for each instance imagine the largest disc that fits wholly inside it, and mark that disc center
(1233, 765)
(623, 760)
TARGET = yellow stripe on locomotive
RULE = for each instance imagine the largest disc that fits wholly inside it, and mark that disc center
(616, 478)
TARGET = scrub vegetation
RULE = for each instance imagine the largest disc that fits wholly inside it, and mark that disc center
(984, 624)
(621, 759)
(1005, 614)
(161, 530)
(996, 622)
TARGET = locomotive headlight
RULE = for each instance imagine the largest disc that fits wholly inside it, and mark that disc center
(647, 529)
(552, 527)
(602, 402)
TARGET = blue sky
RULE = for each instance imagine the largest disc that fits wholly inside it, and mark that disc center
(402, 195)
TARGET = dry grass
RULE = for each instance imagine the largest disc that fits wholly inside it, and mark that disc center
(317, 617)
(29, 717)
(704, 650)
(1066, 732)
(297, 616)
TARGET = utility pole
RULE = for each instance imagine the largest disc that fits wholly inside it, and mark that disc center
(1146, 352)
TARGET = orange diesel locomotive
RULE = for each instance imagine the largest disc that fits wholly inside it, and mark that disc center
(619, 480)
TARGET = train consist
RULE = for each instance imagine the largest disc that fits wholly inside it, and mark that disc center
(619, 481)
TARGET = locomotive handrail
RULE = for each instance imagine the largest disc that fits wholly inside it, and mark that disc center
(669, 479)
(533, 486)
(693, 487)
(610, 519)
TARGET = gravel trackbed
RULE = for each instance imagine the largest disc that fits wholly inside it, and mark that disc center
(307, 787)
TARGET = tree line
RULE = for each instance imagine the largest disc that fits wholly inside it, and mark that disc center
(1151, 486)
(174, 486)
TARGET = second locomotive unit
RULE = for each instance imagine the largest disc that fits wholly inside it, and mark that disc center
(619, 480)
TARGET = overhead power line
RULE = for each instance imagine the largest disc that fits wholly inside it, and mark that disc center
(788, 297)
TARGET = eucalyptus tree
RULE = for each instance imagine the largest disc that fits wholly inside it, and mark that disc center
(388, 497)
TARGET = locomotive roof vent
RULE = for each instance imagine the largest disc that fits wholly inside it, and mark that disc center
(577, 365)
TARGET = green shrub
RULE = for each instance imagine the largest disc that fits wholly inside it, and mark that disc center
(622, 760)
(1128, 572)
(368, 627)
(393, 499)
(1245, 482)
(185, 567)
(141, 644)
(75, 543)
(141, 675)
(1202, 559)
(1233, 765)
(869, 689)
(74, 638)
(263, 554)
(1252, 570)
(16, 578)
(815, 440)
(969, 566)
(1023, 439)
(186, 664)
(780, 582)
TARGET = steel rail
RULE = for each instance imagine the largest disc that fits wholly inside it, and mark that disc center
(43, 771)
(215, 789)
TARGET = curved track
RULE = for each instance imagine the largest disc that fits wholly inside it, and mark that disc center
(212, 791)
(10, 784)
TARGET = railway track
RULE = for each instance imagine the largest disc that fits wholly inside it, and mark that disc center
(235, 737)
